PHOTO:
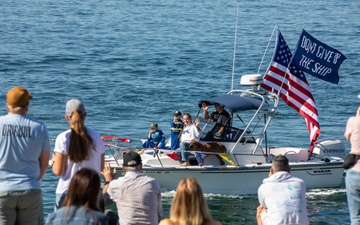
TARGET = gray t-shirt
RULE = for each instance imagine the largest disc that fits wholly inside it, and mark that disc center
(22, 141)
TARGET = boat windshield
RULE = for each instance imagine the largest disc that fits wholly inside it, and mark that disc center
(209, 128)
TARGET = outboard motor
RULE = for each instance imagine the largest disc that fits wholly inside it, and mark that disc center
(330, 148)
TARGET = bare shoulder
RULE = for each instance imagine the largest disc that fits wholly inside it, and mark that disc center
(213, 222)
(165, 222)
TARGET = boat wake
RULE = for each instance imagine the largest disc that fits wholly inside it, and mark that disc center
(310, 194)
(324, 192)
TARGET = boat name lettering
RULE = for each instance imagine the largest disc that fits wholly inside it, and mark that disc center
(152, 171)
(322, 171)
(335, 150)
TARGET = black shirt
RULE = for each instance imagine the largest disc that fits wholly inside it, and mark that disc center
(222, 118)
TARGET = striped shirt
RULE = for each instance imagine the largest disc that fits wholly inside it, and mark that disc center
(138, 199)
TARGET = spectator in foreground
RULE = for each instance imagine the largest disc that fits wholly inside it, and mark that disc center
(282, 197)
(189, 206)
(81, 204)
(24, 153)
(137, 196)
(75, 148)
(352, 178)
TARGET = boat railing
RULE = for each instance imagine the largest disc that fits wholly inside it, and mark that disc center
(118, 151)
(265, 110)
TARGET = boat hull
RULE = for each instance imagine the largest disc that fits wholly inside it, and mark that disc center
(247, 179)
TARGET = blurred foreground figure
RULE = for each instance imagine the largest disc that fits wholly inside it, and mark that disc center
(189, 206)
(352, 178)
(81, 204)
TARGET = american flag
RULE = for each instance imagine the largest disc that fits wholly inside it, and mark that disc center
(293, 86)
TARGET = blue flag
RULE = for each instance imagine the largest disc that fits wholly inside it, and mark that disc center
(317, 58)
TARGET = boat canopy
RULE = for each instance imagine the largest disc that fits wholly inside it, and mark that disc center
(234, 103)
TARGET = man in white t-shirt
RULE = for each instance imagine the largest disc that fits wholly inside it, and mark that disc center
(282, 197)
(191, 131)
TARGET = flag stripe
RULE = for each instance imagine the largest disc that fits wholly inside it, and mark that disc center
(298, 99)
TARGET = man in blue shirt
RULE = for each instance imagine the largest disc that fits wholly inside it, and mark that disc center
(24, 159)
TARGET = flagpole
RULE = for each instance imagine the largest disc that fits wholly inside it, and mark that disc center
(234, 56)
(267, 46)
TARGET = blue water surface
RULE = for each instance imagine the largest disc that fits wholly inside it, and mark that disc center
(136, 62)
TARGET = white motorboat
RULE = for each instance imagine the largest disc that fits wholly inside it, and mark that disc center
(248, 156)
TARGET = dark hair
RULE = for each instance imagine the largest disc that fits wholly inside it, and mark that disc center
(80, 140)
(187, 114)
(84, 189)
(280, 163)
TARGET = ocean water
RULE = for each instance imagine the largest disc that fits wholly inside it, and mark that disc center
(135, 62)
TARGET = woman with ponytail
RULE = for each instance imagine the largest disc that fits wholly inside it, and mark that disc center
(76, 148)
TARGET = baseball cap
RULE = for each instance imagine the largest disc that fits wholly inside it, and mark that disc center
(74, 104)
(177, 113)
(18, 96)
(132, 159)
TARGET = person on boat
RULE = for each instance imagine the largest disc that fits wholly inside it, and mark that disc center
(191, 131)
(156, 138)
(220, 116)
(24, 152)
(81, 201)
(176, 130)
(189, 206)
(76, 148)
(352, 178)
(281, 196)
(137, 196)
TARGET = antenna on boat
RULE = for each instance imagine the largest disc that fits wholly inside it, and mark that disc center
(267, 46)
(234, 56)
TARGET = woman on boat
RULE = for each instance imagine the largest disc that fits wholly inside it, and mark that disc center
(189, 206)
(76, 148)
(81, 201)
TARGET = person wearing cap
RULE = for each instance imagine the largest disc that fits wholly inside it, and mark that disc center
(220, 116)
(156, 138)
(176, 130)
(24, 152)
(282, 197)
(76, 148)
(137, 196)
